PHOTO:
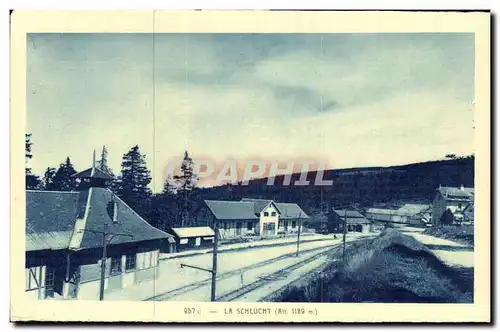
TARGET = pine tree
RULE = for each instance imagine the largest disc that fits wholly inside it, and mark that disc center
(102, 163)
(32, 180)
(132, 185)
(63, 179)
(186, 182)
(447, 217)
(48, 178)
(169, 187)
(28, 153)
(165, 212)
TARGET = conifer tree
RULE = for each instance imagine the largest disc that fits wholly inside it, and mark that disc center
(48, 178)
(63, 179)
(132, 185)
(186, 182)
(102, 163)
(32, 180)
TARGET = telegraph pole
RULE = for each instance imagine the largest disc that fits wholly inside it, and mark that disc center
(298, 236)
(344, 231)
(213, 271)
(214, 262)
(105, 242)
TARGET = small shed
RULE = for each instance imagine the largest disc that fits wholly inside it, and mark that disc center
(193, 237)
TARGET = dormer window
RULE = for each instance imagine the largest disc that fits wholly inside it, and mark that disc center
(115, 212)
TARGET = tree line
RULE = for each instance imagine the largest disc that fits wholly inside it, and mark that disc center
(170, 208)
(180, 200)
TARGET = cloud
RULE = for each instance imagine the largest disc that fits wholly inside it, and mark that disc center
(351, 99)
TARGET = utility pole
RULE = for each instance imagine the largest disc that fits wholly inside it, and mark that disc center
(298, 235)
(214, 261)
(344, 231)
(105, 241)
(213, 271)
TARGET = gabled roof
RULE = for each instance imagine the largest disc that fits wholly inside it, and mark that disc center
(259, 204)
(183, 232)
(59, 220)
(231, 210)
(351, 216)
(291, 211)
(457, 194)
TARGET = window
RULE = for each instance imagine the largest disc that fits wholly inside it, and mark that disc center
(280, 224)
(197, 241)
(130, 262)
(273, 214)
(116, 265)
(225, 226)
(183, 241)
(266, 214)
(294, 224)
(249, 226)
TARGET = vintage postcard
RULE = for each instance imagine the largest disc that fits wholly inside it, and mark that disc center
(260, 166)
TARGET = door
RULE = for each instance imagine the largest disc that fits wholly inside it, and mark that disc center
(269, 229)
(50, 275)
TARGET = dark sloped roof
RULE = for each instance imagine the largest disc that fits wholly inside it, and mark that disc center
(259, 204)
(291, 211)
(50, 218)
(95, 173)
(352, 216)
(129, 222)
(229, 210)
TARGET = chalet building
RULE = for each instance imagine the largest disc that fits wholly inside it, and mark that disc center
(249, 217)
(64, 241)
(460, 201)
(193, 237)
(412, 214)
(354, 221)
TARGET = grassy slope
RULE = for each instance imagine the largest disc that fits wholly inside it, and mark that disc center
(391, 268)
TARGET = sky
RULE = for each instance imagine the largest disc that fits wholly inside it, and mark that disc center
(348, 99)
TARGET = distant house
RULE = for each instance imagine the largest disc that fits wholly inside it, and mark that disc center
(413, 214)
(193, 237)
(252, 217)
(382, 215)
(459, 200)
(64, 241)
(354, 221)
(416, 214)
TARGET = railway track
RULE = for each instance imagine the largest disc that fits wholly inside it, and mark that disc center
(264, 280)
(187, 288)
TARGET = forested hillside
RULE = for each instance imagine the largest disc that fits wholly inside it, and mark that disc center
(362, 186)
